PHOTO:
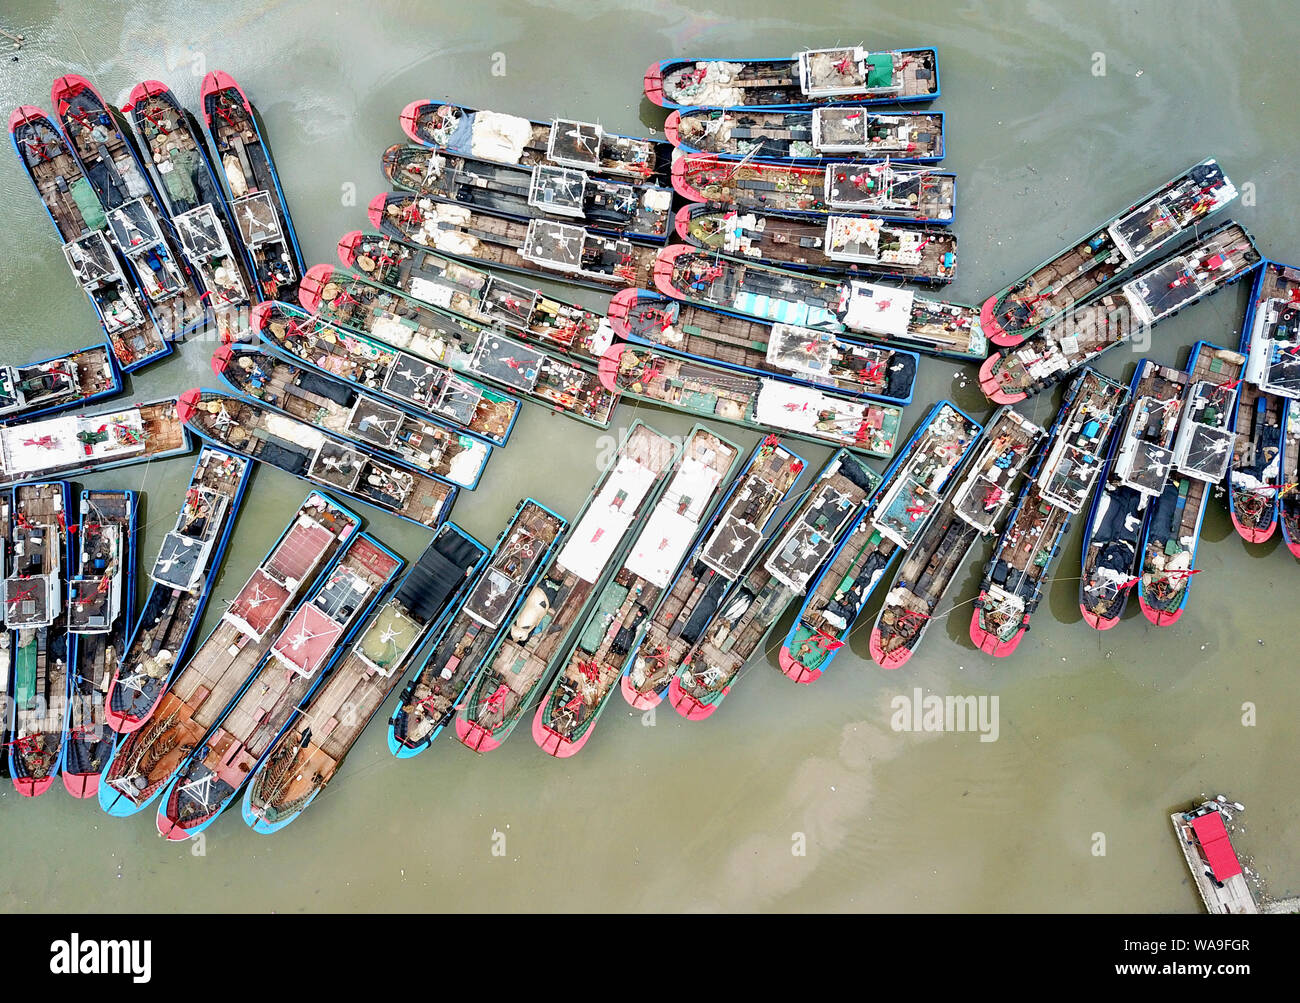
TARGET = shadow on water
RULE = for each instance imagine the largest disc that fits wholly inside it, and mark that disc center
(1063, 592)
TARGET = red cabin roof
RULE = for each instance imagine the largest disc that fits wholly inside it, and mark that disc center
(1216, 845)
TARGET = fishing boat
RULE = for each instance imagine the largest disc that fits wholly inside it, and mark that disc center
(251, 187)
(1270, 336)
(316, 456)
(101, 607)
(1064, 476)
(888, 525)
(189, 702)
(386, 372)
(440, 337)
(817, 135)
(975, 507)
(1288, 502)
(831, 245)
(810, 77)
(80, 221)
(508, 139)
(817, 358)
(1137, 469)
(723, 549)
(708, 390)
(779, 572)
(638, 209)
(313, 640)
(1202, 452)
(136, 224)
(35, 613)
(1255, 463)
(920, 194)
(430, 700)
(549, 248)
(1106, 254)
(68, 445)
(799, 298)
(313, 747)
(58, 383)
(338, 407)
(750, 184)
(180, 584)
(477, 294)
(1108, 318)
(614, 629)
(518, 667)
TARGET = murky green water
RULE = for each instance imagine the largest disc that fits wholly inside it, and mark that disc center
(1099, 733)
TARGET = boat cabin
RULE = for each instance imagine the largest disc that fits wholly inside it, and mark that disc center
(138, 233)
(808, 542)
(97, 271)
(574, 251)
(1203, 447)
(873, 242)
(1274, 361)
(33, 596)
(184, 554)
(204, 244)
(24, 388)
(267, 593)
(310, 636)
(846, 72)
(575, 144)
(1143, 462)
(95, 593)
(425, 385)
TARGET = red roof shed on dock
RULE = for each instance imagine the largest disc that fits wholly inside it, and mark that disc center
(1215, 845)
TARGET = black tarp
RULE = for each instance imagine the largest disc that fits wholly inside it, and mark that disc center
(437, 575)
(330, 389)
(294, 459)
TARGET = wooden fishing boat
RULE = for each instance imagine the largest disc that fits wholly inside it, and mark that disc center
(640, 210)
(975, 506)
(316, 456)
(80, 221)
(251, 187)
(826, 133)
(616, 625)
(58, 383)
(188, 703)
(1253, 469)
(508, 139)
(136, 222)
(920, 194)
(1108, 318)
(518, 667)
(779, 572)
(67, 445)
(1137, 469)
(386, 372)
(1288, 502)
(1106, 254)
(709, 390)
(809, 77)
(313, 747)
(437, 336)
(101, 608)
(477, 294)
(831, 245)
(313, 640)
(430, 700)
(889, 523)
(723, 549)
(1202, 452)
(35, 612)
(787, 296)
(420, 443)
(181, 582)
(1063, 477)
(564, 252)
(818, 358)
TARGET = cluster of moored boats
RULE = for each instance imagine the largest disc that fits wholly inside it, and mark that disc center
(772, 299)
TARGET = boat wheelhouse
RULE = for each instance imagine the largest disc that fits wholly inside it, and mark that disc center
(1271, 333)
(56, 384)
(844, 74)
(1030, 543)
(1105, 255)
(976, 506)
(780, 571)
(312, 748)
(787, 296)
(638, 209)
(1108, 318)
(435, 335)
(430, 700)
(338, 407)
(616, 626)
(386, 372)
(316, 456)
(101, 607)
(895, 515)
(508, 139)
(826, 133)
(518, 667)
(206, 247)
(920, 194)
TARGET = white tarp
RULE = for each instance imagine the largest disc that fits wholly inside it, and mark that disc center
(53, 443)
(875, 309)
(669, 532)
(797, 408)
(499, 137)
(608, 517)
